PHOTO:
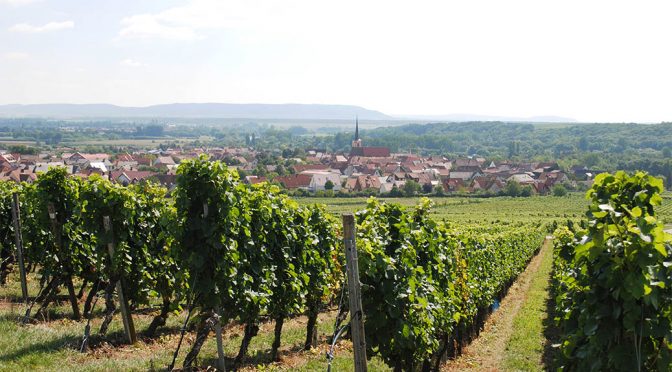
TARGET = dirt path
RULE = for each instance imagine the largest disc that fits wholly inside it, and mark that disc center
(486, 353)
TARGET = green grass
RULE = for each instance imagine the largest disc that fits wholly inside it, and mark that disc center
(529, 347)
(498, 210)
(53, 344)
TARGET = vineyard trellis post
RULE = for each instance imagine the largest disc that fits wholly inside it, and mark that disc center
(221, 359)
(16, 216)
(126, 317)
(354, 293)
(57, 231)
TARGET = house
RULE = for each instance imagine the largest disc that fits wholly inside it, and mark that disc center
(80, 158)
(295, 181)
(253, 180)
(489, 184)
(98, 165)
(125, 157)
(464, 176)
(521, 178)
(370, 152)
(319, 180)
(168, 181)
(300, 168)
(130, 177)
(362, 183)
(453, 184)
(553, 177)
(386, 187)
(143, 160)
(44, 167)
(19, 175)
(7, 158)
(164, 162)
(467, 164)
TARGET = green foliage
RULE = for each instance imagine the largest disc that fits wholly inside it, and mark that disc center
(140, 222)
(7, 188)
(559, 190)
(512, 188)
(61, 248)
(7, 247)
(613, 280)
(252, 251)
(207, 198)
(422, 279)
(412, 188)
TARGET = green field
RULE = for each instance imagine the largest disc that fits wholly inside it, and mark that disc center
(499, 210)
(145, 142)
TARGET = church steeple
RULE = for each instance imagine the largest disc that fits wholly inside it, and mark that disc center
(357, 142)
(356, 128)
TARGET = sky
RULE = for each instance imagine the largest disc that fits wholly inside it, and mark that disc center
(588, 60)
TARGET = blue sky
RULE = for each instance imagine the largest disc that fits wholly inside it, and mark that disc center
(589, 60)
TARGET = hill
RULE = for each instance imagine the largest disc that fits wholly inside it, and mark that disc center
(195, 110)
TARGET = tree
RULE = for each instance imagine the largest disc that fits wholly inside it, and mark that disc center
(667, 152)
(438, 190)
(583, 144)
(512, 188)
(395, 192)
(328, 185)
(411, 188)
(559, 190)
(427, 188)
(526, 191)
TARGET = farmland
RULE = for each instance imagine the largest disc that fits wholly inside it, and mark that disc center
(53, 338)
(52, 341)
(489, 211)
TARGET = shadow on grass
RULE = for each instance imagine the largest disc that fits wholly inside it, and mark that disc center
(53, 313)
(551, 332)
(261, 357)
(18, 299)
(41, 348)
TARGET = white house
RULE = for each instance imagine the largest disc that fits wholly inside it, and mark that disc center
(320, 178)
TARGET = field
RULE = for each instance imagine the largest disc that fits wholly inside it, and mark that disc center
(53, 344)
(499, 210)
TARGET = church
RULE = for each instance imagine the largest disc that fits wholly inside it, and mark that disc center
(369, 152)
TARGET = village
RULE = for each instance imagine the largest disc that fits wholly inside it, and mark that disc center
(363, 171)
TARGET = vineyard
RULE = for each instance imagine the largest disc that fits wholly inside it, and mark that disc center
(254, 267)
(218, 251)
(613, 280)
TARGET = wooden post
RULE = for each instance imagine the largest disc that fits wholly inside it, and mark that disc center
(354, 293)
(57, 231)
(126, 317)
(16, 215)
(221, 358)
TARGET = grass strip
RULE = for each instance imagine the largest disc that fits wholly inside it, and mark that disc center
(529, 347)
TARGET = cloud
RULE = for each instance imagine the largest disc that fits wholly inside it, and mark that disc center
(190, 21)
(147, 26)
(128, 62)
(16, 3)
(16, 56)
(49, 27)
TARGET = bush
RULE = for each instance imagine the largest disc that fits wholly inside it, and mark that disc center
(613, 280)
(559, 190)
